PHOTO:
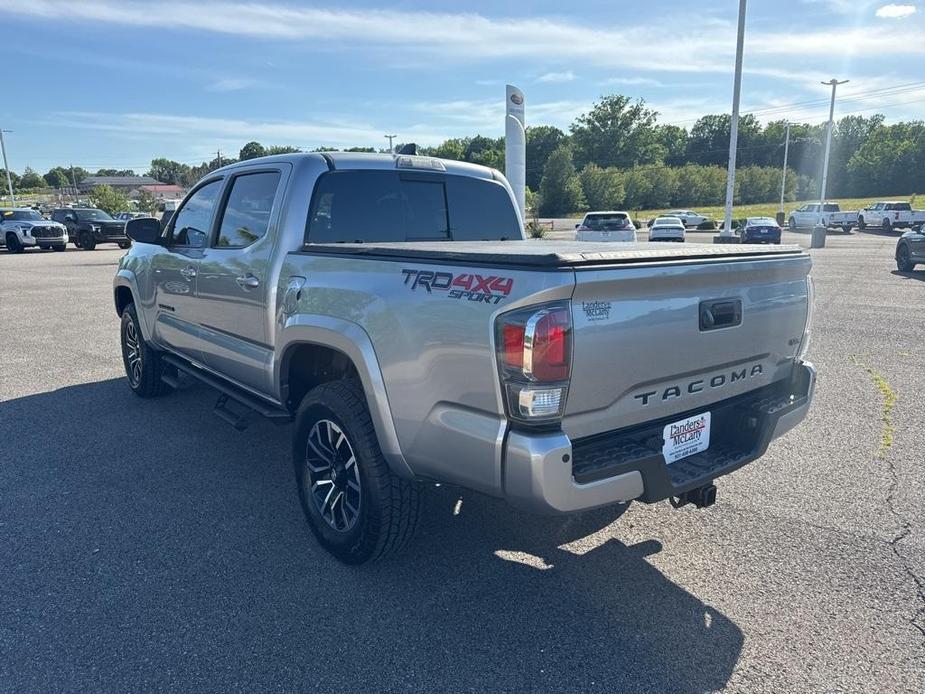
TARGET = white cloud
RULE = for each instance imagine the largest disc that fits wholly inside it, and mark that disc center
(567, 76)
(230, 84)
(894, 11)
(633, 82)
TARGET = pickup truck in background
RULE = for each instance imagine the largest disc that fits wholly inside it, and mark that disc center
(828, 215)
(87, 227)
(890, 215)
(391, 307)
(24, 228)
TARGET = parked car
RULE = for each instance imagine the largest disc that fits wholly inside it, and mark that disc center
(830, 216)
(125, 216)
(606, 226)
(430, 341)
(688, 217)
(88, 226)
(890, 215)
(910, 250)
(667, 229)
(759, 230)
(26, 228)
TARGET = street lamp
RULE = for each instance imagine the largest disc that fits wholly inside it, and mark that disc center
(390, 138)
(726, 235)
(828, 140)
(783, 175)
(6, 166)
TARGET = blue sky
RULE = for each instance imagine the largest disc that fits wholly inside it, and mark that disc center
(113, 83)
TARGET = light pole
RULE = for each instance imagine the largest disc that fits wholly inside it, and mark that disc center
(390, 138)
(783, 174)
(828, 142)
(6, 166)
(726, 235)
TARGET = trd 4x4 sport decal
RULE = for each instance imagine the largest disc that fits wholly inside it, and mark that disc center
(490, 289)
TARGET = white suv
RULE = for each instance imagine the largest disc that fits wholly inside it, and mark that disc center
(26, 228)
(606, 226)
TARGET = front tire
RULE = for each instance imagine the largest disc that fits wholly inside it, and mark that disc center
(125, 244)
(143, 365)
(60, 247)
(903, 259)
(887, 225)
(792, 224)
(846, 228)
(87, 242)
(862, 225)
(12, 244)
(358, 510)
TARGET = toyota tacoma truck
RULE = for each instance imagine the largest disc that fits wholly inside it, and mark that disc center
(390, 306)
(24, 228)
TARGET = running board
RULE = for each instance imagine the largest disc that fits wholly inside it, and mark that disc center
(228, 391)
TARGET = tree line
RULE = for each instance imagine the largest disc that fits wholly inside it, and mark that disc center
(619, 155)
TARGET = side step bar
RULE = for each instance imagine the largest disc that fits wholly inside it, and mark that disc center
(227, 391)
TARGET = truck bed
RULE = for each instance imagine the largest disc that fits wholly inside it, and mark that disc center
(550, 255)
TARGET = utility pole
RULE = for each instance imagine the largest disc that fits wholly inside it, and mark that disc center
(727, 235)
(828, 141)
(390, 138)
(6, 167)
(218, 155)
(783, 174)
(74, 183)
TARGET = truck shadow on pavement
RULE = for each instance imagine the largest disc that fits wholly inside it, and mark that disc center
(914, 275)
(146, 543)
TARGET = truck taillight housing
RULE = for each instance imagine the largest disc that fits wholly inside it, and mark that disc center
(535, 359)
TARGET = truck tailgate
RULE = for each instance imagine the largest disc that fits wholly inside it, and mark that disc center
(655, 340)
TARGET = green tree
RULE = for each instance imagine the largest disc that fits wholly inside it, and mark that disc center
(709, 140)
(57, 177)
(674, 143)
(146, 202)
(108, 199)
(252, 150)
(14, 179)
(169, 171)
(454, 148)
(560, 188)
(617, 132)
(542, 140)
(30, 179)
(114, 172)
(289, 149)
(602, 188)
(891, 160)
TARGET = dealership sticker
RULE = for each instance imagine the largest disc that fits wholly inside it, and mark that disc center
(684, 438)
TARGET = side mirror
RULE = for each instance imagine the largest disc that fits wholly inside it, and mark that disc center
(144, 230)
(577, 225)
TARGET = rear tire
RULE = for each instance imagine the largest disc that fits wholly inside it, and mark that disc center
(12, 244)
(60, 247)
(887, 225)
(862, 225)
(358, 510)
(87, 242)
(125, 244)
(903, 259)
(846, 228)
(143, 365)
(792, 224)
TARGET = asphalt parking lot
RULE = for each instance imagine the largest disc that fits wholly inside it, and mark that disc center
(148, 545)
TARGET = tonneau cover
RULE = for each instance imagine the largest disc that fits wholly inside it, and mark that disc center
(550, 254)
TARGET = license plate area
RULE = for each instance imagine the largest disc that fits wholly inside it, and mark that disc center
(686, 437)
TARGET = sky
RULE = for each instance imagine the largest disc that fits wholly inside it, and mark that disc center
(114, 83)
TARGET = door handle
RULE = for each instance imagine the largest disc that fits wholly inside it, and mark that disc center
(189, 272)
(247, 282)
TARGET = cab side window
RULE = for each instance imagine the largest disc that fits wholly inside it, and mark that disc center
(246, 216)
(194, 220)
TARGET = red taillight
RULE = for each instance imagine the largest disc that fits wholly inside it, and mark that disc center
(534, 355)
(513, 347)
(546, 346)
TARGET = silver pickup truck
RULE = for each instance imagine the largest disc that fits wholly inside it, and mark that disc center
(391, 307)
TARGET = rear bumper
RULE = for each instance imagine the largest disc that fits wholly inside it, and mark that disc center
(548, 473)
